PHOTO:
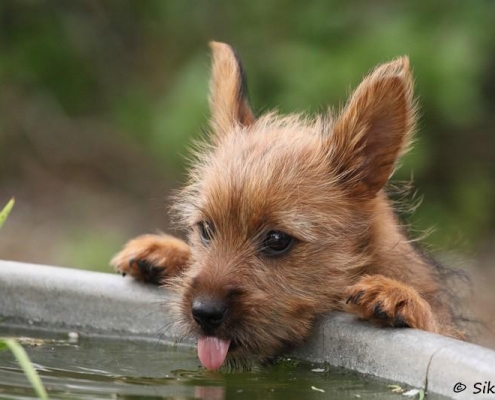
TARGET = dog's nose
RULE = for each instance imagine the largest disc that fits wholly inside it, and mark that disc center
(208, 313)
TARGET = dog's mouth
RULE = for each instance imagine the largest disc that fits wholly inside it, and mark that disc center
(212, 351)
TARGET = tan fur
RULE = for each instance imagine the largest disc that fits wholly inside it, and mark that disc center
(319, 180)
(227, 98)
(142, 254)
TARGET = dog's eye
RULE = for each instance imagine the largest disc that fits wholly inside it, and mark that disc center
(206, 231)
(276, 243)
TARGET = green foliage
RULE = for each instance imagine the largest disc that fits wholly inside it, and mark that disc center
(26, 365)
(6, 211)
(84, 249)
(141, 69)
(13, 346)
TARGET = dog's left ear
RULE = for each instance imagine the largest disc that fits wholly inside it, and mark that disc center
(374, 128)
(228, 91)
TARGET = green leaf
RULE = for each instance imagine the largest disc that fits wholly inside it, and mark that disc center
(6, 211)
(27, 366)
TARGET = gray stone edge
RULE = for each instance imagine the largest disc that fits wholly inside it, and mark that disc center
(100, 303)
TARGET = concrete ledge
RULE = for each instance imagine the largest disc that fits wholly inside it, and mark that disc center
(420, 359)
(97, 303)
(80, 300)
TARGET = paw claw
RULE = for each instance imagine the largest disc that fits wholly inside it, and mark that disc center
(400, 322)
(379, 312)
(387, 302)
(144, 266)
(355, 297)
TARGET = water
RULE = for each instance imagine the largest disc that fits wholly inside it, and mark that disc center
(99, 368)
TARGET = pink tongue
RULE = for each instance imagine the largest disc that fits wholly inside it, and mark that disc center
(212, 351)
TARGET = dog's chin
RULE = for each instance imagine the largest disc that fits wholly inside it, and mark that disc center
(240, 358)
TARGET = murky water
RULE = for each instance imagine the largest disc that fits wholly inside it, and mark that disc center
(98, 368)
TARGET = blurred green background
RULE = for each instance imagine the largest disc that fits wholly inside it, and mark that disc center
(99, 101)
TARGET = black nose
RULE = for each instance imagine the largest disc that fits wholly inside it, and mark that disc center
(208, 313)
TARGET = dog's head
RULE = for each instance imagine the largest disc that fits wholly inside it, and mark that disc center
(279, 210)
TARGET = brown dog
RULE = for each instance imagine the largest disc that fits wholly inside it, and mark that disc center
(288, 220)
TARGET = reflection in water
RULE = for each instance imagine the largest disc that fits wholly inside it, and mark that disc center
(209, 392)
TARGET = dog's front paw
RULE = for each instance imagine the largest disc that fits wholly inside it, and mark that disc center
(387, 302)
(152, 258)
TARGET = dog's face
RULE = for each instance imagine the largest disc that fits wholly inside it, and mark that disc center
(279, 211)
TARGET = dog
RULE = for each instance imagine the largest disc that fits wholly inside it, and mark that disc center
(288, 219)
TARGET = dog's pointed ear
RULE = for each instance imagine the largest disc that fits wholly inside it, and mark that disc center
(374, 128)
(228, 91)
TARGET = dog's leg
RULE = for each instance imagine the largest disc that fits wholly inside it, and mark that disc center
(152, 258)
(388, 302)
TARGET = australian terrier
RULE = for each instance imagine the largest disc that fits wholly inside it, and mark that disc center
(288, 219)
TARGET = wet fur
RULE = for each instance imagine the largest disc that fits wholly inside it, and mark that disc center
(318, 179)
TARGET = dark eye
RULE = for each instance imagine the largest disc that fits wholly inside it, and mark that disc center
(276, 243)
(206, 231)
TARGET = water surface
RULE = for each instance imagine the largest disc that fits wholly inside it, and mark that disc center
(102, 368)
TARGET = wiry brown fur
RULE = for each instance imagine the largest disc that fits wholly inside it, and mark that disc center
(319, 180)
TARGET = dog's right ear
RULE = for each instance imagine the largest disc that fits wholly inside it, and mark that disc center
(228, 91)
(374, 128)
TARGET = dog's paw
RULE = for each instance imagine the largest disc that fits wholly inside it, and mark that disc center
(152, 258)
(387, 302)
